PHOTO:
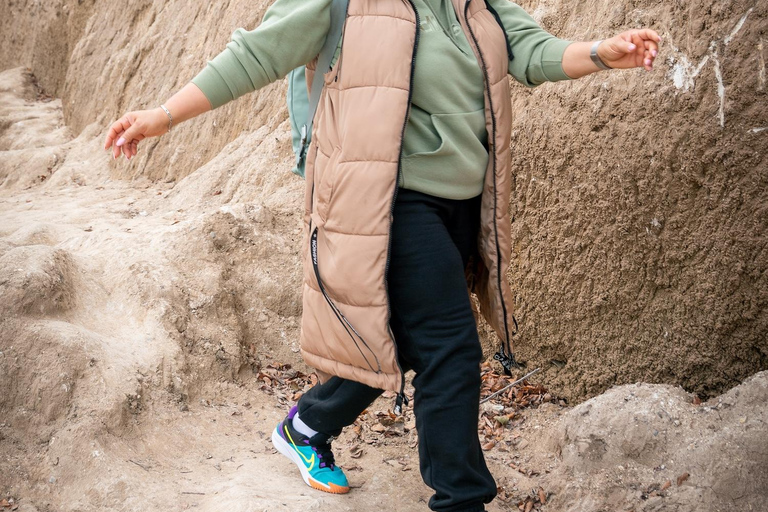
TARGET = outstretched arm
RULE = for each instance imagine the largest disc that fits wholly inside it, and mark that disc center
(630, 49)
(126, 133)
(538, 56)
(291, 34)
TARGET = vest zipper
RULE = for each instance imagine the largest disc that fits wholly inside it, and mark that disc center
(505, 344)
(401, 398)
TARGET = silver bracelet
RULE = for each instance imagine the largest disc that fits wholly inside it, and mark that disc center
(596, 58)
(170, 117)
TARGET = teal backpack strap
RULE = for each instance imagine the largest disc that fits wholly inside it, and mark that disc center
(298, 106)
(338, 15)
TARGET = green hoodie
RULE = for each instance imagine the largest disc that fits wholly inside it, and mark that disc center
(445, 150)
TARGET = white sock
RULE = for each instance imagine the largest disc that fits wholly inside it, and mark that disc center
(302, 427)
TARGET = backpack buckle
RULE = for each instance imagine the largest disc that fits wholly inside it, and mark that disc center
(303, 142)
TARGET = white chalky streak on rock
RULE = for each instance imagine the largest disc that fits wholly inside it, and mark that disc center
(682, 72)
(736, 29)
(758, 130)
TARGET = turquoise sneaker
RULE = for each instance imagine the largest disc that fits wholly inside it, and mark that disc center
(312, 455)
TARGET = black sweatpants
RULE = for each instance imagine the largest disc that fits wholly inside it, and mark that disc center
(436, 335)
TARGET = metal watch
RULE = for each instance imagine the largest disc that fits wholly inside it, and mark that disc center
(596, 58)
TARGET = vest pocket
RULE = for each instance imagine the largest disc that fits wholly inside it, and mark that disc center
(363, 348)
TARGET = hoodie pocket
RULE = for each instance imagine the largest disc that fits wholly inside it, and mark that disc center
(459, 152)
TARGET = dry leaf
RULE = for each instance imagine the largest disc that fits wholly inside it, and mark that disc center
(4, 503)
(394, 431)
(502, 420)
(542, 496)
(487, 446)
(666, 485)
(696, 400)
(356, 451)
(682, 478)
(529, 506)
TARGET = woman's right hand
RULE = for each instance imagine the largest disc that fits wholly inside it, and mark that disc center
(126, 133)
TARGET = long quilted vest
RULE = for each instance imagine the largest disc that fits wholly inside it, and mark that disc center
(352, 173)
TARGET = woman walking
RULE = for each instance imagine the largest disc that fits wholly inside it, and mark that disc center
(408, 181)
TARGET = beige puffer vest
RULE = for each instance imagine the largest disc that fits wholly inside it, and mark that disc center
(352, 174)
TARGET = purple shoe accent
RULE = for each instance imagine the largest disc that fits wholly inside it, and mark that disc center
(290, 416)
(280, 431)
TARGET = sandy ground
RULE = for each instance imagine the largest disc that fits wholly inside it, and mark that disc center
(130, 380)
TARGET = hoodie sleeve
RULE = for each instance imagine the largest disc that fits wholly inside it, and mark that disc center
(291, 34)
(537, 55)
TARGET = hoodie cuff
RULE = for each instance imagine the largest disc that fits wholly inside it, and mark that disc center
(214, 86)
(552, 60)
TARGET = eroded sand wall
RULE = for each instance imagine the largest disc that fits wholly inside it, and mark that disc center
(639, 200)
(641, 206)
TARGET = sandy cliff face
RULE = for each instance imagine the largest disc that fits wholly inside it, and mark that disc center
(639, 200)
(640, 203)
(140, 302)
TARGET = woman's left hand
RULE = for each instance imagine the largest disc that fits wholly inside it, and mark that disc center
(631, 49)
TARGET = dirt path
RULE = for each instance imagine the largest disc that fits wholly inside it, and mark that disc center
(136, 317)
